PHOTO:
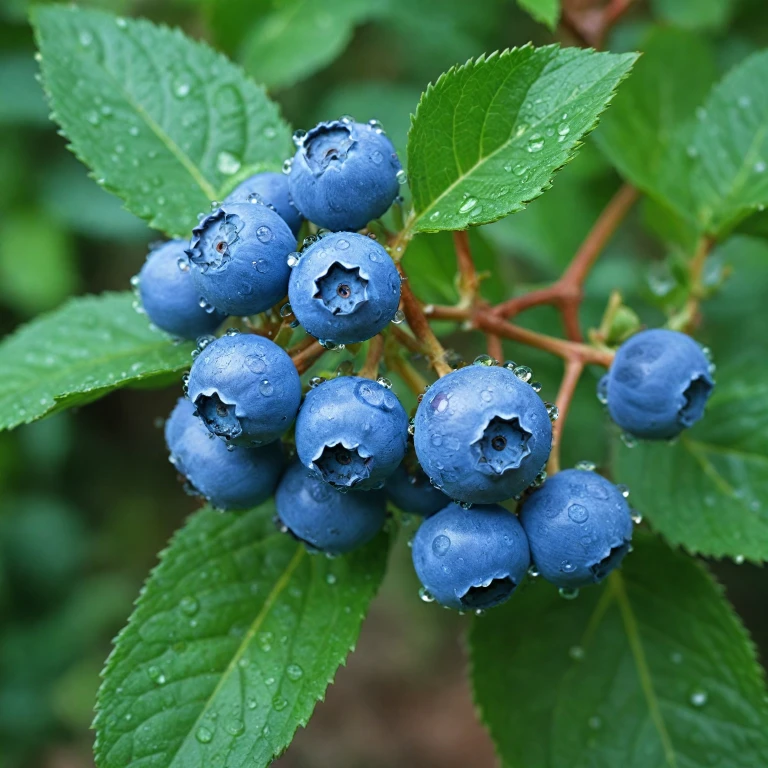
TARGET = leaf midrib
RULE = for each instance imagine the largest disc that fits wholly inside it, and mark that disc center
(164, 138)
(481, 161)
(256, 625)
(615, 591)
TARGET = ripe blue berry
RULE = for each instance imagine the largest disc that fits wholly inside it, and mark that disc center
(471, 559)
(351, 432)
(245, 388)
(344, 174)
(228, 479)
(657, 385)
(270, 189)
(325, 519)
(482, 435)
(345, 288)
(238, 258)
(410, 490)
(579, 528)
(169, 296)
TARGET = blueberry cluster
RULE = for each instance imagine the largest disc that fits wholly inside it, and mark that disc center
(334, 455)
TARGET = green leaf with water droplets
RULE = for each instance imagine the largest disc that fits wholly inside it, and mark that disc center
(164, 122)
(544, 11)
(235, 637)
(650, 669)
(729, 148)
(709, 491)
(709, 164)
(81, 352)
(488, 136)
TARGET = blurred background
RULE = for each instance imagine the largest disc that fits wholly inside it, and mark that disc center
(87, 498)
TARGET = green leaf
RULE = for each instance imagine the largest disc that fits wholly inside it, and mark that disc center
(489, 135)
(298, 37)
(80, 352)
(672, 78)
(650, 669)
(730, 148)
(162, 121)
(694, 14)
(544, 11)
(234, 639)
(46, 273)
(709, 491)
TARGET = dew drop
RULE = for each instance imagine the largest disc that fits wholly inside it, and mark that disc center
(227, 163)
(698, 698)
(294, 672)
(425, 596)
(264, 234)
(468, 205)
(203, 735)
(440, 545)
(576, 652)
(235, 727)
(189, 605)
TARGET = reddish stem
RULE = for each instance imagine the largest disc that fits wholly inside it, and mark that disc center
(573, 370)
(308, 356)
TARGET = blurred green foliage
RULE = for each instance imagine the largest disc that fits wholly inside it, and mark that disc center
(87, 498)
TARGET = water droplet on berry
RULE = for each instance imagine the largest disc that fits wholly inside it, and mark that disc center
(425, 596)
(523, 372)
(264, 234)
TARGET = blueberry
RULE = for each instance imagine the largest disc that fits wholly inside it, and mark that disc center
(169, 296)
(410, 490)
(238, 257)
(345, 288)
(482, 434)
(228, 479)
(471, 559)
(579, 527)
(271, 189)
(245, 388)
(344, 175)
(658, 384)
(351, 432)
(325, 519)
